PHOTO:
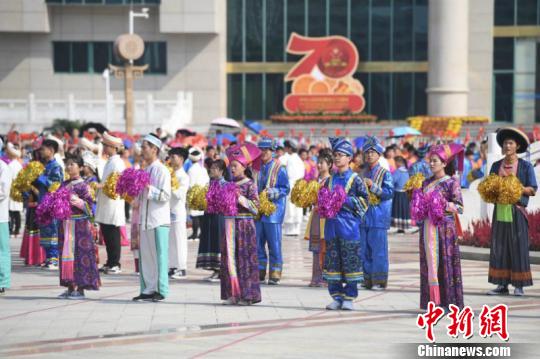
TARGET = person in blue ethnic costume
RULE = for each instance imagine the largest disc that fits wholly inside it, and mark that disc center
(421, 166)
(509, 261)
(374, 227)
(273, 179)
(343, 262)
(53, 175)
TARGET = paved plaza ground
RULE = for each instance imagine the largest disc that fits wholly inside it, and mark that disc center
(291, 321)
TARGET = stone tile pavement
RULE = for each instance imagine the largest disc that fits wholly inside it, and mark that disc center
(289, 323)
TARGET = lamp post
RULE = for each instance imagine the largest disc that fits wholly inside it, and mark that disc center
(106, 76)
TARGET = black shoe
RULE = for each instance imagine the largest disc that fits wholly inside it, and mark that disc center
(2, 291)
(157, 297)
(500, 290)
(171, 271)
(143, 296)
(273, 281)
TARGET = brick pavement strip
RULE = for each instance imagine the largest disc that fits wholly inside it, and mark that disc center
(192, 322)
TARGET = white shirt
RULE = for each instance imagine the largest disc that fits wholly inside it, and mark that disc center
(5, 187)
(178, 197)
(155, 209)
(197, 176)
(284, 159)
(295, 168)
(15, 167)
(110, 211)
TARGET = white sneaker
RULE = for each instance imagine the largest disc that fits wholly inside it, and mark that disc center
(114, 270)
(52, 266)
(378, 288)
(64, 295)
(229, 301)
(347, 305)
(179, 274)
(335, 305)
(392, 230)
(76, 296)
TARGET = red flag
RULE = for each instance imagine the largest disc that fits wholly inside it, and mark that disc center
(338, 132)
(281, 134)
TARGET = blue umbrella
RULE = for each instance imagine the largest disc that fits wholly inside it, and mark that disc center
(404, 131)
(254, 126)
(225, 136)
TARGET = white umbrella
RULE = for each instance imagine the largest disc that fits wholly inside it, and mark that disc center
(225, 122)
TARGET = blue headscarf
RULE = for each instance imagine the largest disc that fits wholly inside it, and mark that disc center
(266, 143)
(372, 143)
(341, 144)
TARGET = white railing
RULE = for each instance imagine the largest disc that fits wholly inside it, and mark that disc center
(34, 114)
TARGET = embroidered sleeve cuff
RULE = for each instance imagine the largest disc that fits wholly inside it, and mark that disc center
(376, 190)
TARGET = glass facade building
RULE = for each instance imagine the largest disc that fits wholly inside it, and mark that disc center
(391, 37)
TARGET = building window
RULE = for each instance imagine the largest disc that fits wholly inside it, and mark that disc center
(94, 57)
(517, 12)
(104, 2)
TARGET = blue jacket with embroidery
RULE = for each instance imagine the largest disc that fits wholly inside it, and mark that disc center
(53, 174)
(420, 166)
(273, 178)
(379, 215)
(345, 224)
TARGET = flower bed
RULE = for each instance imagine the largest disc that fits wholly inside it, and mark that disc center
(479, 233)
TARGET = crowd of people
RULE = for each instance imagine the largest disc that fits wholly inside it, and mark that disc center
(348, 238)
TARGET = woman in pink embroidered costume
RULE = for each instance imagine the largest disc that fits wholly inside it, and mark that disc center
(78, 267)
(440, 266)
(315, 228)
(239, 273)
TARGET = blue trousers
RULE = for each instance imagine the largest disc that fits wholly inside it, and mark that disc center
(342, 268)
(48, 239)
(374, 249)
(343, 290)
(269, 234)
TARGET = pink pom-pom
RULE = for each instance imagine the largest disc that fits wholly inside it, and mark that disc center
(419, 207)
(213, 197)
(437, 207)
(54, 206)
(132, 182)
(229, 199)
(330, 202)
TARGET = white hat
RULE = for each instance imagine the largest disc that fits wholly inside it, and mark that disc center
(58, 141)
(195, 154)
(86, 144)
(153, 140)
(112, 141)
(10, 148)
(90, 160)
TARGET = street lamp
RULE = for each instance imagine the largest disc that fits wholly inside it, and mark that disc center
(132, 14)
(106, 76)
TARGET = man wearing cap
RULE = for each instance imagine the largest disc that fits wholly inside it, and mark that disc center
(15, 208)
(178, 234)
(374, 227)
(295, 171)
(197, 176)
(155, 219)
(5, 252)
(343, 261)
(110, 212)
(273, 179)
(53, 175)
(509, 261)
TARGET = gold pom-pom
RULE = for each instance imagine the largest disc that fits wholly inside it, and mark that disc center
(28, 175)
(196, 197)
(373, 199)
(15, 194)
(304, 194)
(92, 189)
(174, 180)
(414, 182)
(53, 187)
(489, 188)
(109, 187)
(266, 207)
(510, 190)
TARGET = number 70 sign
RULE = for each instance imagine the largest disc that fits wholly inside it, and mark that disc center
(322, 81)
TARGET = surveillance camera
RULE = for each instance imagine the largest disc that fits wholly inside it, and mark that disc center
(145, 10)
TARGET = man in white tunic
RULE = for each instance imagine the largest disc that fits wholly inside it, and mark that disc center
(5, 252)
(155, 219)
(295, 171)
(178, 236)
(197, 176)
(15, 208)
(110, 212)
